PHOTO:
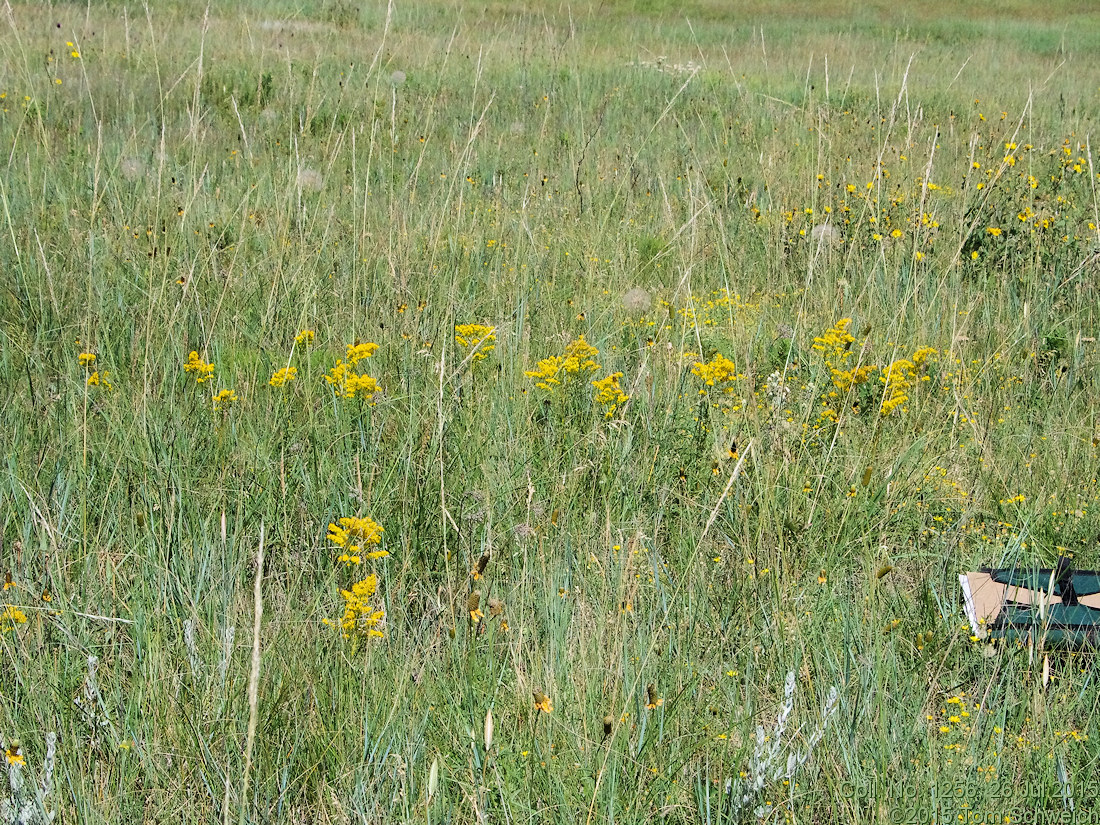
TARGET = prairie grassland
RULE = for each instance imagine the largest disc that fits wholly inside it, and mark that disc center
(608, 395)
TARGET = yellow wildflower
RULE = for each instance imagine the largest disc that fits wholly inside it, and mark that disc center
(609, 393)
(359, 616)
(13, 754)
(718, 371)
(224, 400)
(473, 606)
(354, 533)
(280, 378)
(86, 359)
(100, 379)
(304, 337)
(579, 357)
(836, 342)
(10, 617)
(348, 384)
(200, 368)
(652, 700)
(542, 701)
(477, 338)
(357, 352)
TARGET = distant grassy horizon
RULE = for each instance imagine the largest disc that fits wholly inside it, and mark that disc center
(610, 396)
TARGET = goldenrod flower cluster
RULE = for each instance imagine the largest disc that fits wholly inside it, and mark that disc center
(609, 393)
(100, 379)
(900, 377)
(200, 368)
(477, 338)
(359, 615)
(718, 372)
(578, 358)
(224, 400)
(352, 534)
(10, 617)
(86, 359)
(280, 378)
(357, 352)
(304, 338)
(836, 342)
(836, 346)
(348, 383)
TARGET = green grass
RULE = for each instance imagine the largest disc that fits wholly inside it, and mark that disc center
(171, 186)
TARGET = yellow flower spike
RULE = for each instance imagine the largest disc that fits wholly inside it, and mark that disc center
(224, 400)
(476, 338)
(352, 532)
(609, 393)
(10, 617)
(359, 617)
(579, 357)
(280, 378)
(201, 369)
(304, 338)
(357, 352)
(717, 372)
(101, 379)
(86, 359)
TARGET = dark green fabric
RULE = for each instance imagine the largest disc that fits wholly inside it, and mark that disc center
(1085, 582)
(1075, 625)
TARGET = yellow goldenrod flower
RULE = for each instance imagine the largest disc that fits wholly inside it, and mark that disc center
(579, 357)
(86, 359)
(280, 378)
(200, 368)
(100, 379)
(348, 384)
(477, 338)
(837, 341)
(304, 337)
(717, 372)
(359, 616)
(10, 617)
(357, 352)
(224, 400)
(609, 393)
(353, 533)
